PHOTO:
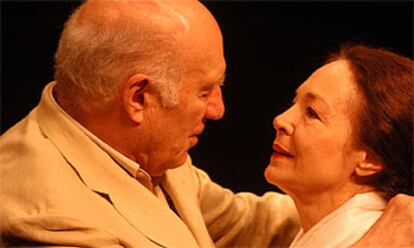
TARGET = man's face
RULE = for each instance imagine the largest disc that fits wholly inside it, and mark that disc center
(173, 130)
(169, 132)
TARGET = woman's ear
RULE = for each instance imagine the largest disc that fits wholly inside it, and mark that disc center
(133, 97)
(368, 165)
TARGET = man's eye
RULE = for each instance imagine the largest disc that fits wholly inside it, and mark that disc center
(311, 113)
(204, 93)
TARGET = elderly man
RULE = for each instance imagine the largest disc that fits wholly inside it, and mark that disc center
(102, 160)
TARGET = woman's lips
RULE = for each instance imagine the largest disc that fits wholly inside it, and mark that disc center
(279, 151)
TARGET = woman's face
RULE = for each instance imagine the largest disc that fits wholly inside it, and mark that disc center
(314, 149)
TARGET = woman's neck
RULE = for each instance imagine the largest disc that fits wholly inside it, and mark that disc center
(312, 207)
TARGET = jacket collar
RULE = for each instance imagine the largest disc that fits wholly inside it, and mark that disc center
(98, 170)
(180, 185)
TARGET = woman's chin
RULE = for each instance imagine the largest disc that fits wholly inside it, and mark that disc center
(275, 176)
(271, 174)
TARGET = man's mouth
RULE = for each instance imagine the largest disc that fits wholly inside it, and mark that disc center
(198, 131)
(279, 151)
(194, 137)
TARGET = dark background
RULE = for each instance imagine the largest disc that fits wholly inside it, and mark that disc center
(270, 47)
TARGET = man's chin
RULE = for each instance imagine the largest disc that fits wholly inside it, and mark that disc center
(172, 164)
(193, 141)
(179, 160)
(182, 160)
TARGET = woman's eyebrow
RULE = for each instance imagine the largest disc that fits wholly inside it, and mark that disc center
(312, 96)
(315, 96)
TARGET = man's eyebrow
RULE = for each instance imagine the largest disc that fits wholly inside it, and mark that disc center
(212, 84)
(221, 80)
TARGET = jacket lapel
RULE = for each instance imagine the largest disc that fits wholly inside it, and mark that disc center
(183, 192)
(100, 173)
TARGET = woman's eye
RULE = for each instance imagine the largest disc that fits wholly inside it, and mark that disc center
(311, 113)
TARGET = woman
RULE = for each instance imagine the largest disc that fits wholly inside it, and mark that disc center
(345, 145)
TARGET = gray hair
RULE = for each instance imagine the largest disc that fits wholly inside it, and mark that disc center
(92, 60)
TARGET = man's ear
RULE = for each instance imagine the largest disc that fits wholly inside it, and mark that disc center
(368, 165)
(133, 97)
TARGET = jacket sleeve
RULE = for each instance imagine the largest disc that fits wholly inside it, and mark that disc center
(245, 219)
(52, 230)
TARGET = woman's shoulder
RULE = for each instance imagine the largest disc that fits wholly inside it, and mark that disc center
(346, 225)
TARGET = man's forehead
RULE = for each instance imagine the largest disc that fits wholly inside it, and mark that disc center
(155, 14)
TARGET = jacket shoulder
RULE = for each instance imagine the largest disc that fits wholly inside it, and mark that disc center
(33, 173)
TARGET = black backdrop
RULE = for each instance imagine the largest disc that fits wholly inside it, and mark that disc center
(270, 47)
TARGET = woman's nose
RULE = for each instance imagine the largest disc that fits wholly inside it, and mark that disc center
(283, 123)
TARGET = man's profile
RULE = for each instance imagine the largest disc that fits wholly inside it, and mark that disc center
(106, 147)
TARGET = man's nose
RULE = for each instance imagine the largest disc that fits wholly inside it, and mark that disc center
(215, 106)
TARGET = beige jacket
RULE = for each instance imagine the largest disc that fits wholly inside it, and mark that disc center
(58, 187)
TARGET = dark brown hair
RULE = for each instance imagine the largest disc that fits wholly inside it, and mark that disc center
(384, 121)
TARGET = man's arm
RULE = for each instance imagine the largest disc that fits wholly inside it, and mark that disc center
(395, 228)
(50, 230)
(245, 219)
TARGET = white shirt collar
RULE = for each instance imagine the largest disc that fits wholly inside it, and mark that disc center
(345, 225)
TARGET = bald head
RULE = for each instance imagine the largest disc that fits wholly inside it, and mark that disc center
(105, 42)
(153, 16)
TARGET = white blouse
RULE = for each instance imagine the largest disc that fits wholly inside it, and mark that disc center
(344, 226)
